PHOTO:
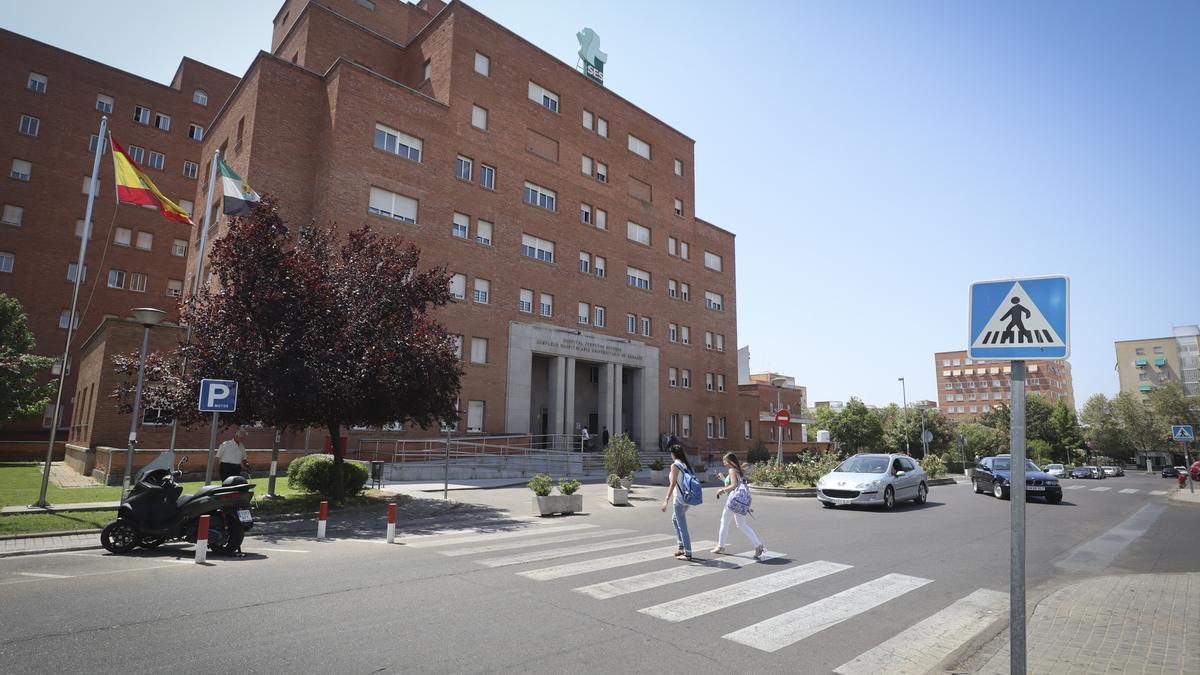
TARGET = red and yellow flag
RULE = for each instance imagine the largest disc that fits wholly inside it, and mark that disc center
(134, 187)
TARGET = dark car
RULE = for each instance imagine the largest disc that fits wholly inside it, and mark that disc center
(992, 474)
(1170, 472)
(1081, 472)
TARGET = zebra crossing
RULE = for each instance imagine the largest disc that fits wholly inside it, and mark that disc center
(736, 578)
(1126, 491)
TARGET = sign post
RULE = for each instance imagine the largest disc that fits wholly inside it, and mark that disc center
(216, 397)
(782, 419)
(1183, 434)
(1019, 320)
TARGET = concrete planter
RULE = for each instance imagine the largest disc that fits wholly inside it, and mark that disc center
(627, 483)
(551, 504)
(656, 477)
(617, 496)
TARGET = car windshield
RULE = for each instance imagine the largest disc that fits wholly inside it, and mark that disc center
(1005, 463)
(863, 465)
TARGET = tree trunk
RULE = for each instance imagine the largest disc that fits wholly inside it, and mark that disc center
(338, 488)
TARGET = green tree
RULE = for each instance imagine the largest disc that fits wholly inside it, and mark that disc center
(1066, 432)
(1037, 419)
(1039, 451)
(824, 419)
(982, 440)
(858, 427)
(20, 394)
(1172, 406)
(1144, 432)
(999, 417)
(1102, 427)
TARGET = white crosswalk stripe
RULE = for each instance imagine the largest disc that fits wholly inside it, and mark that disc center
(1075, 487)
(691, 606)
(1100, 489)
(791, 627)
(522, 543)
(548, 554)
(597, 564)
(1129, 491)
(925, 645)
(1158, 493)
(642, 582)
(470, 535)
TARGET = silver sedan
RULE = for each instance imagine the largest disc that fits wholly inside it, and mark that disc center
(873, 479)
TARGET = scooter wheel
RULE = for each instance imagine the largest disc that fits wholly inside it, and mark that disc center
(119, 536)
(233, 539)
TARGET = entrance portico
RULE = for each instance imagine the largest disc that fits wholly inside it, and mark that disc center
(562, 380)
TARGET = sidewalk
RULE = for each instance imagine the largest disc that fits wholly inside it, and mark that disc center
(80, 506)
(1144, 623)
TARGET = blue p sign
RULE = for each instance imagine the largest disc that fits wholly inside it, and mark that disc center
(218, 395)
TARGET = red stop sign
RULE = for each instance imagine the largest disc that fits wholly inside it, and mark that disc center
(783, 418)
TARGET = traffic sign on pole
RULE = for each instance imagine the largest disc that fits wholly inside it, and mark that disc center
(1182, 432)
(1026, 319)
(218, 395)
(783, 418)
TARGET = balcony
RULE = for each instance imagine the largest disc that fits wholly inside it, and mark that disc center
(1160, 362)
(1141, 363)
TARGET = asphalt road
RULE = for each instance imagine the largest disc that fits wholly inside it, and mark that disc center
(598, 592)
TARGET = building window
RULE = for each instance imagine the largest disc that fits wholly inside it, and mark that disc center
(713, 261)
(37, 83)
(12, 215)
(678, 168)
(684, 251)
(200, 97)
(7, 260)
(73, 269)
(585, 262)
(686, 378)
(65, 317)
(428, 71)
(123, 236)
(720, 342)
(195, 132)
(601, 219)
(104, 103)
(461, 227)
(586, 165)
(483, 232)
(589, 120)
(94, 141)
(672, 246)
(672, 288)
(392, 205)
(631, 323)
(687, 335)
(1140, 351)
(141, 114)
(479, 117)
(638, 233)
(708, 381)
(1158, 349)
(708, 339)
(637, 278)
(145, 240)
(685, 291)
(29, 125)
(525, 301)
(483, 288)
(483, 65)
(679, 207)
(136, 154)
(639, 147)
(686, 421)
(179, 248)
(585, 311)
(645, 326)
(462, 167)
(543, 97)
(546, 305)
(673, 424)
(673, 377)
(599, 266)
(602, 127)
(585, 214)
(602, 172)
(116, 278)
(162, 122)
(137, 282)
(487, 176)
(720, 384)
(21, 170)
(673, 332)
(157, 160)
(538, 249)
(398, 143)
(174, 288)
(458, 286)
(540, 197)
(190, 169)
(479, 350)
(187, 206)
(714, 301)
(710, 425)
(474, 417)
(79, 230)
(746, 429)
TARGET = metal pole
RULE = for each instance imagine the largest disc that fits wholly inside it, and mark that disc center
(904, 398)
(274, 465)
(62, 371)
(446, 473)
(1016, 493)
(1187, 460)
(778, 429)
(924, 443)
(133, 422)
(212, 447)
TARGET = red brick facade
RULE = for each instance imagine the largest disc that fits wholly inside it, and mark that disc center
(968, 388)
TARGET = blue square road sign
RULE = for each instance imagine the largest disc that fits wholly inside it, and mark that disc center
(1182, 432)
(218, 395)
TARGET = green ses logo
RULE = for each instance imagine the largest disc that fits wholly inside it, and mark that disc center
(589, 52)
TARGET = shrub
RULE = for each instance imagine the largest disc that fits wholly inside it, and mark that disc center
(656, 465)
(540, 484)
(314, 473)
(804, 472)
(614, 481)
(933, 466)
(759, 453)
(621, 456)
(568, 486)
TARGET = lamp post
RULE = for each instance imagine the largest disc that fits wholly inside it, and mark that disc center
(149, 318)
(778, 382)
(904, 398)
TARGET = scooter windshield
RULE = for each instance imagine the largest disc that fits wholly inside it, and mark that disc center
(165, 460)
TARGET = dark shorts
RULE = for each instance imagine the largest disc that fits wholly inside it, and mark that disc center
(228, 470)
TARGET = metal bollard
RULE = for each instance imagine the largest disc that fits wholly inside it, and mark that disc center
(202, 540)
(321, 518)
(391, 528)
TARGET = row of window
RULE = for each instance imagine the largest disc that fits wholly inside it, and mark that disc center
(141, 114)
(680, 424)
(983, 384)
(682, 377)
(963, 409)
(1141, 351)
(22, 169)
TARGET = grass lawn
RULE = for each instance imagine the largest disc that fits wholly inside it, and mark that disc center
(34, 523)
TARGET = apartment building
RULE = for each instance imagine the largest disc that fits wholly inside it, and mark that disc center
(1145, 364)
(969, 388)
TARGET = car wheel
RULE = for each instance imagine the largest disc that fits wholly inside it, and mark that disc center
(889, 498)
(1054, 499)
(998, 491)
(975, 486)
(922, 494)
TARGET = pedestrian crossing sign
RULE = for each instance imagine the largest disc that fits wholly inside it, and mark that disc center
(1182, 432)
(1026, 319)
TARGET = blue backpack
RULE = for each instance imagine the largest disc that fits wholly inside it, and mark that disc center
(690, 488)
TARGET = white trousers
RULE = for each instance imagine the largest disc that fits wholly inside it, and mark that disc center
(740, 521)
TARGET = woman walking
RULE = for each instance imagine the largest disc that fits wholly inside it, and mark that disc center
(733, 479)
(679, 517)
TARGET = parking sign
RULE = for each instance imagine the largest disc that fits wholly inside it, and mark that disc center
(218, 396)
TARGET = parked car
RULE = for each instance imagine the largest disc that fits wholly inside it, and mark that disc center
(1096, 471)
(1081, 472)
(1196, 470)
(993, 474)
(1113, 471)
(1170, 472)
(873, 479)
(1057, 470)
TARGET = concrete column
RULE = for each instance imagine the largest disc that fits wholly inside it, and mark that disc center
(606, 396)
(569, 399)
(637, 425)
(557, 385)
(618, 424)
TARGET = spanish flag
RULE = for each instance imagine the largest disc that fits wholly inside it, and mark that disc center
(134, 187)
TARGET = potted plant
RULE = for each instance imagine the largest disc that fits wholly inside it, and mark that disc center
(621, 458)
(544, 503)
(618, 494)
(656, 472)
(569, 487)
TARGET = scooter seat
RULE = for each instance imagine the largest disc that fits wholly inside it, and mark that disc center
(206, 490)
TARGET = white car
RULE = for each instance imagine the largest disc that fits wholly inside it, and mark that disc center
(873, 479)
(1056, 470)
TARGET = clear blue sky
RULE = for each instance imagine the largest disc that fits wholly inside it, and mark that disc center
(874, 158)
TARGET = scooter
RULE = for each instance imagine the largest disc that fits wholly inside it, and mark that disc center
(155, 513)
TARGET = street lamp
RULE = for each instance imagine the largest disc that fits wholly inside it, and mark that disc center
(149, 318)
(904, 398)
(778, 382)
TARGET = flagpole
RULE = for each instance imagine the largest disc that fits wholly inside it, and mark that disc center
(62, 370)
(212, 180)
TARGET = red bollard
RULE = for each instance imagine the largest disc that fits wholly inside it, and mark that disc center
(391, 528)
(202, 540)
(321, 518)
(1182, 480)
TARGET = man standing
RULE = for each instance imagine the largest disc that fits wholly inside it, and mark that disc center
(604, 437)
(232, 454)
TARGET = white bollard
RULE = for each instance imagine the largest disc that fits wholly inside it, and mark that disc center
(202, 540)
(321, 518)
